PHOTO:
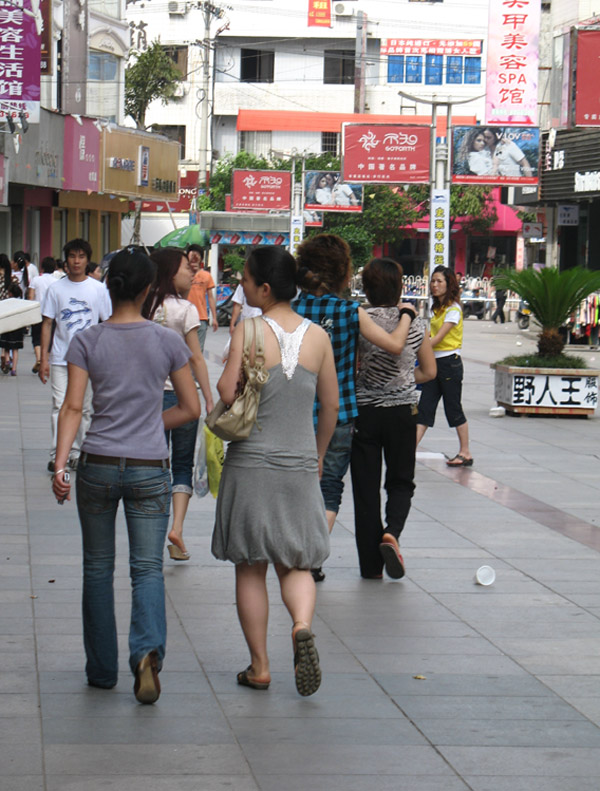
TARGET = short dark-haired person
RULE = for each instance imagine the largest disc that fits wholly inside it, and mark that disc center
(74, 303)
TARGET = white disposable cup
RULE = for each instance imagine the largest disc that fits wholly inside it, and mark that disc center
(485, 575)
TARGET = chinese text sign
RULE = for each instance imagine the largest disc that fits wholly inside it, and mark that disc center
(385, 153)
(268, 190)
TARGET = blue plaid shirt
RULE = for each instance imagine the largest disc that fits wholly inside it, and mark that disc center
(339, 319)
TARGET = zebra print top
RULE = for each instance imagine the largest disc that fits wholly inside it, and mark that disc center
(385, 379)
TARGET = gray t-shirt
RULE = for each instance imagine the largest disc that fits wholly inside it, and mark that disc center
(127, 365)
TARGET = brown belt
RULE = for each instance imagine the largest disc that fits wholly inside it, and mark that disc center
(93, 458)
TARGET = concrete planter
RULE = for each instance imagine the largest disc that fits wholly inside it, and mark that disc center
(546, 391)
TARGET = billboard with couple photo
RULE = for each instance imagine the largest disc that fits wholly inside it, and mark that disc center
(325, 191)
(495, 155)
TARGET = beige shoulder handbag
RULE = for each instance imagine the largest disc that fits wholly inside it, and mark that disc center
(236, 421)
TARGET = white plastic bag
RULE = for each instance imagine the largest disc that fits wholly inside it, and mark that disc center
(200, 469)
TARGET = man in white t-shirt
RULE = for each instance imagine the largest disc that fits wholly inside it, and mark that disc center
(74, 303)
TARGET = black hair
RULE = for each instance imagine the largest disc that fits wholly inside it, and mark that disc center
(195, 247)
(48, 265)
(91, 267)
(129, 272)
(452, 288)
(20, 259)
(75, 245)
(6, 269)
(275, 266)
(382, 282)
(167, 261)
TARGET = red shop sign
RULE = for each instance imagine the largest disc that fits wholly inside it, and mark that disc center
(587, 98)
(385, 153)
(268, 190)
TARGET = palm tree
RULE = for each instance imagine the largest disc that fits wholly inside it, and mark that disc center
(552, 296)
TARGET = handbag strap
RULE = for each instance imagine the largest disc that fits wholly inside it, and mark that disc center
(258, 337)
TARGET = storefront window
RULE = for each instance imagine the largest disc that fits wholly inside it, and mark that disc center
(102, 66)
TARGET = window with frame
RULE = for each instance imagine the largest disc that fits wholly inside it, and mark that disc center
(395, 68)
(472, 71)
(414, 68)
(257, 65)
(433, 69)
(102, 66)
(330, 143)
(338, 67)
(179, 56)
(258, 143)
(454, 69)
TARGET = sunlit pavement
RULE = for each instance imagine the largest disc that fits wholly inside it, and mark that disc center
(432, 683)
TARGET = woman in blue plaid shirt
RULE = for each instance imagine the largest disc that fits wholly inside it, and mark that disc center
(325, 269)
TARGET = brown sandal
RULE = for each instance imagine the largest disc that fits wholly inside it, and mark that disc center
(244, 680)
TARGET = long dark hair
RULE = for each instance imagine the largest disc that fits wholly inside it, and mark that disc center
(168, 261)
(21, 261)
(5, 267)
(452, 289)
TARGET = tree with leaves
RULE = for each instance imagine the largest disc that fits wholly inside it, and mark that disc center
(152, 75)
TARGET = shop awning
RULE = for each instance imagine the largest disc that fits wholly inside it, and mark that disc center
(292, 121)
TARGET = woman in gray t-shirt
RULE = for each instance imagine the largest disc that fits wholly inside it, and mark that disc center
(124, 457)
(386, 395)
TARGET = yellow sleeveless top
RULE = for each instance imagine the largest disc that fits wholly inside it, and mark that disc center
(453, 340)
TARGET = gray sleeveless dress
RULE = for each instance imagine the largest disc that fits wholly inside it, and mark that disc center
(270, 506)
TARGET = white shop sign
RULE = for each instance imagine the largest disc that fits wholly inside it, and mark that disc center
(548, 390)
(567, 215)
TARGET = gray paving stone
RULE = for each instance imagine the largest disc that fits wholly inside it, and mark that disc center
(546, 783)
(511, 733)
(469, 707)
(23, 783)
(346, 782)
(193, 782)
(164, 759)
(330, 731)
(566, 762)
(478, 685)
(318, 760)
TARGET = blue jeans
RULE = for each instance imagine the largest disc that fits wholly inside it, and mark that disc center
(146, 495)
(335, 466)
(182, 441)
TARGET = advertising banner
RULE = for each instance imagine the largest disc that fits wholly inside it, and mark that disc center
(249, 237)
(3, 180)
(81, 155)
(188, 192)
(319, 13)
(313, 219)
(587, 96)
(325, 191)
(439, 228)
(385, 153)
(512, 62)
(47, 42)
(495, 155)
(268, 190)
(19, 62)
(430, 46)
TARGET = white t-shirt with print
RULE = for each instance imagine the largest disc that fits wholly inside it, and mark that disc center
(74, 306)
(179, 315)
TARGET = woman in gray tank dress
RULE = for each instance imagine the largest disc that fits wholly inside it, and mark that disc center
(270, 508)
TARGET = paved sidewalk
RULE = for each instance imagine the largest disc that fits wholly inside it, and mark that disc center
(429, 684)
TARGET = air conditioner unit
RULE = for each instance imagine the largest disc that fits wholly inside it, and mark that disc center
(343, 9)
(177, 8)
(181, 89)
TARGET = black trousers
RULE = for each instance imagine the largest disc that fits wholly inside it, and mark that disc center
(499, 312)
(392, 430)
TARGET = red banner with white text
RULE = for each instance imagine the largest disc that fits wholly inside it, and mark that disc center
(385, 154)
(319, 13)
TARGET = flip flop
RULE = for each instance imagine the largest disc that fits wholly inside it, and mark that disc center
(390, 552)
(177, 554)
(306, 663)
(244, 680)
(462, 461)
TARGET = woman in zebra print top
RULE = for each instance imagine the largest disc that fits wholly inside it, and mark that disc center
(387, 399)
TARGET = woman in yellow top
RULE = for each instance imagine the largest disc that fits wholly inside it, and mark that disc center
(446, 332)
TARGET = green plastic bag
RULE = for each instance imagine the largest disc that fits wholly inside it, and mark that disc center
(215, 456)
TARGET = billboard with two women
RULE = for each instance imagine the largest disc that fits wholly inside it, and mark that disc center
(325, 191)
(495, 155)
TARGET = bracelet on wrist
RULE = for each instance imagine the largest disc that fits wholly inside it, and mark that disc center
(57, 472)
(407, 312)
